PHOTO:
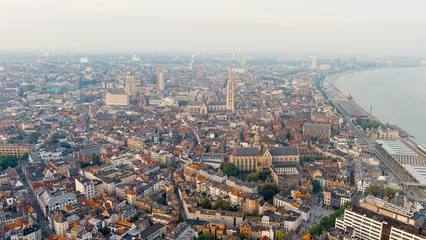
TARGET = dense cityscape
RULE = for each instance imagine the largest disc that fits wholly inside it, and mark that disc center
(226, 146)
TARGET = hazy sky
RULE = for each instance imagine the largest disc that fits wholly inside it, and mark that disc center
(385, 27)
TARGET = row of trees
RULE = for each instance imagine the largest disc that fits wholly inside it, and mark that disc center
(381, 191)
(11, 161)
(316, 186)
(256, 176)
(219, 204)
(367, 123)
(230, 169)
(328, 221)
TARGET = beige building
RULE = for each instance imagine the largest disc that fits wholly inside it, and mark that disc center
(160, 80)
(317, 130)
(385, 134)
(14, 149)
(130, 84)
(116, 99)
(252, 159)
(135, 144)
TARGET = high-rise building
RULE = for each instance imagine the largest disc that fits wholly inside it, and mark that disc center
(230, 104)
(160, 80)
(351, 62)
(199, 74)
(117, 99)
(130, 84)
(373, 218)
(336, 64)
(314, 62)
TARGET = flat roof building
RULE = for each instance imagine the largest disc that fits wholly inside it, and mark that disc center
(116, 99)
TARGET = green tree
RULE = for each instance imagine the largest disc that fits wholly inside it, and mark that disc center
(328, 221)
(96, 159)
(263, 176)
(33, 138)
(8, 161)
(230, 169)
(279, 235)
(105, 231)
(222, 204)
(316, 185)
(381, 191)
(288, 136)
(205, 236)
(135, 218)
(252, 177)
(316, 230)
(268, 191)
(162, 200)
(205, 203)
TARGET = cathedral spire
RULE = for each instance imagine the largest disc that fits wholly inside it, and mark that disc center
(256, 139)
(230, 105)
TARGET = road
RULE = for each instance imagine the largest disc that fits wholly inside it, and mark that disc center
(369, 144)
(44, 224)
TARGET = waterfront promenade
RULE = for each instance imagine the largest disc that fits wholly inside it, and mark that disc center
(335, 97)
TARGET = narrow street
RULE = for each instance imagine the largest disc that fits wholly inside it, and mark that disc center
(44, 224)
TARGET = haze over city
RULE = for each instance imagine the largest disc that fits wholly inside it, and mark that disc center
(385, 28)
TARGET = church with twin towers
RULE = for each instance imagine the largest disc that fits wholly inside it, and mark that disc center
(212, 105)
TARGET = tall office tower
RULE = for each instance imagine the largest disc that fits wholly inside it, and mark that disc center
(352, 62)
(230, 104)
(130, 84)
(336, 64)
(199, 74)
(314, 62)
(160, 80)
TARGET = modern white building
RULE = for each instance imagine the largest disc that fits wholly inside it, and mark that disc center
(364, 227)
(397, 234)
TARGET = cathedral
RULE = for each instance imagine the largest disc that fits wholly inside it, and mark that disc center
(216, 106)
(260, 156)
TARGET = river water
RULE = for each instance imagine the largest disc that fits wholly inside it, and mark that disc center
(398, 96)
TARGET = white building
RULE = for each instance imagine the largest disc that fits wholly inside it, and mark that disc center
(60, 225)
(90, 188)
(31, 233)
(49, 203)
(397, 234)
(364, 227)
(182, 231)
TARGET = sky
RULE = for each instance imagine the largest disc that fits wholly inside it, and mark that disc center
(369, 27)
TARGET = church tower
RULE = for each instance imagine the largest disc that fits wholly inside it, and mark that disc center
(230, 105)
(256, 139)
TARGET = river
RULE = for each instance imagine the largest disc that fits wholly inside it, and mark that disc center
(398, 96)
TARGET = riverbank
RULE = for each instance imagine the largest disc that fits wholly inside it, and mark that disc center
(397, 94)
